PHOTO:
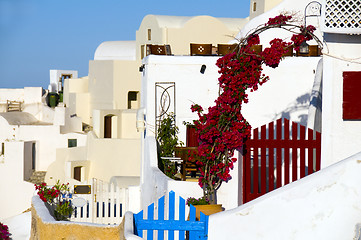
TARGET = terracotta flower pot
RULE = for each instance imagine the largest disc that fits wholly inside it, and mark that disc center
(207, 209)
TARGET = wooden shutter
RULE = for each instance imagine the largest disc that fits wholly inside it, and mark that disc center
(351, 107)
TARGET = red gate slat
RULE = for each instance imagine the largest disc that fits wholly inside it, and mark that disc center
(286, 127)
(271, 158)
(255, 164)
(294, 152)
(254, 184)
(302, 152)
(263, 162)
(279, 154)
(310, 152)
(246, 173)
(318, 151)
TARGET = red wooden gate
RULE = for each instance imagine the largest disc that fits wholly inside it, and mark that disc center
(276, 155)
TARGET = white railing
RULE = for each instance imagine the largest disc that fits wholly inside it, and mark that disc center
(105, 205)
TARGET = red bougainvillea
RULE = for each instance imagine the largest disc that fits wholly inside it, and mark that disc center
(47, 194)
(223, 128)
(4, 232)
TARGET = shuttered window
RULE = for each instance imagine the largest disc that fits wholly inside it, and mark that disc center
(351, 96)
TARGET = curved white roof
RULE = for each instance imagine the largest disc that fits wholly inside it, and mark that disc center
(115, 50)
(20, 118)
(179, 21)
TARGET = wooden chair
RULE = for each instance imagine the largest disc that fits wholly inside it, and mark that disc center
(289, 52)
(224, 49)
(257, 48)
(189, 155)
(201, 49)
(158, 49)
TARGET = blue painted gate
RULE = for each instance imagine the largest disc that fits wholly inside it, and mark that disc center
(197, 229)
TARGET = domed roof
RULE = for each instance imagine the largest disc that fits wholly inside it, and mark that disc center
(20, 118)
(164, 21)
(115, 50)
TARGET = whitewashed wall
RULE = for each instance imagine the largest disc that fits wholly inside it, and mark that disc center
(324, 205)
(30, 98)
(154, 184)
(295, 8)
(48, 139)
(287, 93)
(56, 74)
(15, 194)
(340, 138)
(191, 87)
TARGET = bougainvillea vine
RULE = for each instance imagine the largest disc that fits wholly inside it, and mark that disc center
(223, 129)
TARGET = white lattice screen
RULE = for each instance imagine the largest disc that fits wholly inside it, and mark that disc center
(342, 16)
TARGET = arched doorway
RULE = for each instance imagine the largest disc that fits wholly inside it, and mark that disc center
(110, 126)
(77, 173)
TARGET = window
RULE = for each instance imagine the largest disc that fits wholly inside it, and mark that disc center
(72, 143)
(351, 108)
(33, 155)
(142, 52)
(62, 79)
(149, 34)
(108, 126)
(133, 100)
(254, 7)
(2, 149)
(77, 173)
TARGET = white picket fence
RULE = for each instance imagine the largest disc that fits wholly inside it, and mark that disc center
(105, 205)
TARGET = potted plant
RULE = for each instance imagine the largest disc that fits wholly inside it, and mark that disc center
(167, 137)
(222, 129)
(55, 199)
(203, 205)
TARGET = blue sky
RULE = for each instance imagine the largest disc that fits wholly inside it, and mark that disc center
(39, 35)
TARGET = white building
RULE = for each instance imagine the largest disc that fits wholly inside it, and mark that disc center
(324, 204)
(31, 132)
(92, 133)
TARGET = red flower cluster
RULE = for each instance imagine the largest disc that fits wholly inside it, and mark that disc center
(304, 36)
(4, 232)
(280, 19)
(47, 194)
(253, 40)
(273, 54)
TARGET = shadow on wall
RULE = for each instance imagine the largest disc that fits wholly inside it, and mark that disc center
(301, 104)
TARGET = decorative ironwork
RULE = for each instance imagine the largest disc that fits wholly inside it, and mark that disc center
(313, 9)
(164, 101)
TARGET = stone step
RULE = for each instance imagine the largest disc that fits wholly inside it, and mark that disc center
(37, 177)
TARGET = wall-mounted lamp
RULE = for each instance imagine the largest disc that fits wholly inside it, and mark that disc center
(304, 48)
(203, 68)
